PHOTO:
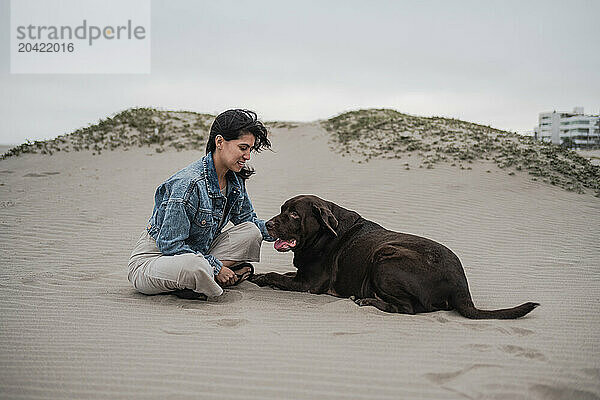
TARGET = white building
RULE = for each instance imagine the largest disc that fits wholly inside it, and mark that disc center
(583, 130)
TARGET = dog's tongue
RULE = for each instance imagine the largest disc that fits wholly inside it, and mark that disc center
(284, 245)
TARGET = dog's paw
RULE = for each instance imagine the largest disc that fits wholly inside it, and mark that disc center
(361, 302)
(259, 279)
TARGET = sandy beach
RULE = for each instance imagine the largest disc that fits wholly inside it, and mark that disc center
(71, 325)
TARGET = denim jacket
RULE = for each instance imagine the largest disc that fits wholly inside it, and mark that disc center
(189, 207)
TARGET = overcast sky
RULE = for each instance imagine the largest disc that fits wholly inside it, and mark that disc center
(492, 62)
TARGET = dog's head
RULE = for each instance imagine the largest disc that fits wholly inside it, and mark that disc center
(303, 221)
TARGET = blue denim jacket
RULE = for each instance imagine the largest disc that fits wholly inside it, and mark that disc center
(188, 210)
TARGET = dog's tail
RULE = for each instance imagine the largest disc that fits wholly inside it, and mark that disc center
(464, 305)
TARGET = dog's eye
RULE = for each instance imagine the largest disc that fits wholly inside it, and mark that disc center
(294, 215)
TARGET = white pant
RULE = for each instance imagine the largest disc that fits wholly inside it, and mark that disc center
(151, 272)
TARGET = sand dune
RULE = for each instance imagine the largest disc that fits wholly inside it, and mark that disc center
(71, 326)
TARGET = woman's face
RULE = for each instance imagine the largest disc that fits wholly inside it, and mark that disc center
(233, 154)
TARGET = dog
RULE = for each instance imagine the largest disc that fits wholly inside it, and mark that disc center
(337, 252)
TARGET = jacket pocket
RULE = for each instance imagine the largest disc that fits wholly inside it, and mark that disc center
(201, 232)
(204, 219)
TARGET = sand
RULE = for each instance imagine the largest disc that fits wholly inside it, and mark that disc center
(71, 326)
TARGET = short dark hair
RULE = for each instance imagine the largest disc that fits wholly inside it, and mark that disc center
(232, 124)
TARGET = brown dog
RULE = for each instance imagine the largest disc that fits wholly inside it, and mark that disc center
(338, 252)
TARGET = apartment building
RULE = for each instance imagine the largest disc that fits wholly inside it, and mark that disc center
(581, 130)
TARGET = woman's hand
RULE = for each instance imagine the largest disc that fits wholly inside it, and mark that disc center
(225, 277)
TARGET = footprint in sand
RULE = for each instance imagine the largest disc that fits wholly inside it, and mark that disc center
(231, 322)
(511, 331)
(478, 347)
(548, 392)
(445, 377)
(523, 352)
(180, 332)
(6, 204)
(475, 326)
(41, 174)
(225, 322)
(350, 333)
(522, 331)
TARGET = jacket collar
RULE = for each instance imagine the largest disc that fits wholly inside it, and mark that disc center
(212, 182)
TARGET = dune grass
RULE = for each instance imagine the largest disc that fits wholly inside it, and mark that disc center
(136, 127)
(384, 133)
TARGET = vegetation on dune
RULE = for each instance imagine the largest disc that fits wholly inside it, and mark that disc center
(281, 124)
(384, 133)
(135, 127)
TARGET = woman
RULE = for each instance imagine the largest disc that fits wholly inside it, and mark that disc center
(182, 250)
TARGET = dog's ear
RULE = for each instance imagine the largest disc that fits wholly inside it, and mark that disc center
(326, 218)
